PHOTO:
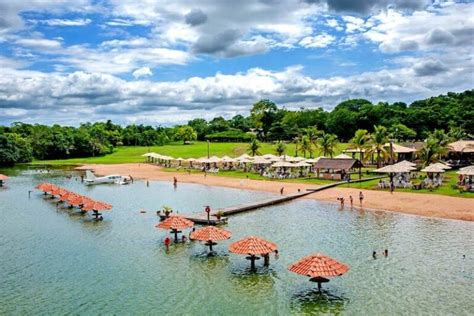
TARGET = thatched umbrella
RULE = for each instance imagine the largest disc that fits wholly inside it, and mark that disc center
(95, 207)
(342, 156)
(406, 163)
(68, 196)
(175, 223)
(394, 169)
(433, 169)
(79, 200)
(254, 247)
(442, 166)
(318, 267)
(467, 171)
(210, 234)
(2, 178)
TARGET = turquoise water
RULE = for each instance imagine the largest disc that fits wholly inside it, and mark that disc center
(55, 261)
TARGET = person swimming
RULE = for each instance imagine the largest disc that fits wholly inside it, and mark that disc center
(374, 254)
(385, 253)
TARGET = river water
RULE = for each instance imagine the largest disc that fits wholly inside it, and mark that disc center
(56, 261)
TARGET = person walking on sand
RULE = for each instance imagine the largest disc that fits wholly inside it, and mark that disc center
(131, 178)
(351, 199)
(361, 197)
(281, 190)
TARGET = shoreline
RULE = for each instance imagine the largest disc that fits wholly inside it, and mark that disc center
(426, 205)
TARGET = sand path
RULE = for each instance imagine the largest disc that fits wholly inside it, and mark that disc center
(430, 205)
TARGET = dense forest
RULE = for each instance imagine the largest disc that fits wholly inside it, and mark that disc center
(452, 114)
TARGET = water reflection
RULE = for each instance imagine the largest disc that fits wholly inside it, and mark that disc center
(312, 302)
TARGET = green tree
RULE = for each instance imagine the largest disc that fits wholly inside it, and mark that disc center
(327, 143)
(432, 151)
(280, 148)
(376, 144)
(200, 126)
(186, 134)
(263, 114)
(402, 132)
(359, 141)
(457, 133)
(297, 142)
(254, 147)
(313, 134)
(305, 145)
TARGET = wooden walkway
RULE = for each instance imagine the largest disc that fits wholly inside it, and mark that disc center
(201, 218)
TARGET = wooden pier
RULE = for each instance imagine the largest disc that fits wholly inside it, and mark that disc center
(202, 218)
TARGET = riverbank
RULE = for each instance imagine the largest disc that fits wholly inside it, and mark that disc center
(429, 205)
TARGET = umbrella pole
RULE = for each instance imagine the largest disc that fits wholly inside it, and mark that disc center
(175, 231)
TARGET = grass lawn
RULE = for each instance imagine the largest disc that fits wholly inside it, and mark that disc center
(130, 154)
(450, 178)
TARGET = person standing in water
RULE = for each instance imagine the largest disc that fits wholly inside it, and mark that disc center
(374, 254)
(361, 197)
(175, 181)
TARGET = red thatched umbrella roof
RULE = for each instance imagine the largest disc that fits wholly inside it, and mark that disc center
(175, 222)
(79, 200)
(46, 187)
(68, 196)
(252, 246)
(318, 265)
(3, 177)
(96, 206)
(210, 233)
(59, 191)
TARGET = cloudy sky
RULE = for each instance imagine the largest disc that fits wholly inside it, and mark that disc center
(165, 62)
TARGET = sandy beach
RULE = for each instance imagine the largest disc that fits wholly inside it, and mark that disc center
(430, 205)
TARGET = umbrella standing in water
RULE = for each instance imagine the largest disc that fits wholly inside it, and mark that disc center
(254, 247)
(210, 234)
(319, 267)
(175, 223)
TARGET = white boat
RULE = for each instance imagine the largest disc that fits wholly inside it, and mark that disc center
(113, 178)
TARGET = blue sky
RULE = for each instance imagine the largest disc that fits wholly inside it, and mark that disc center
(165, 62)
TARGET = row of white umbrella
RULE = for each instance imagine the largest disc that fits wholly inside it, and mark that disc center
(273, 161)
(407, 166)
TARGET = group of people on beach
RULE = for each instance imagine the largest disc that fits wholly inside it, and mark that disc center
(351, 199)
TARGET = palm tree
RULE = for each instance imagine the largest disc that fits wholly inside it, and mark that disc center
(254, 146)
(312, 133)
(432, 151)
(296, 140)
(359, 141)
(327, 142)
(305, 145)
(280, 148)
(376, 144)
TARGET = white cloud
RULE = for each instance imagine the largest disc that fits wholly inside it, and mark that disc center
(142, 72)
(39, 43)
(438, 28)
(334, 24)
(63, 22)
(97, 96)
(318, 41)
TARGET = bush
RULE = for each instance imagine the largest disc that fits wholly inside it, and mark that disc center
(232, 135)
